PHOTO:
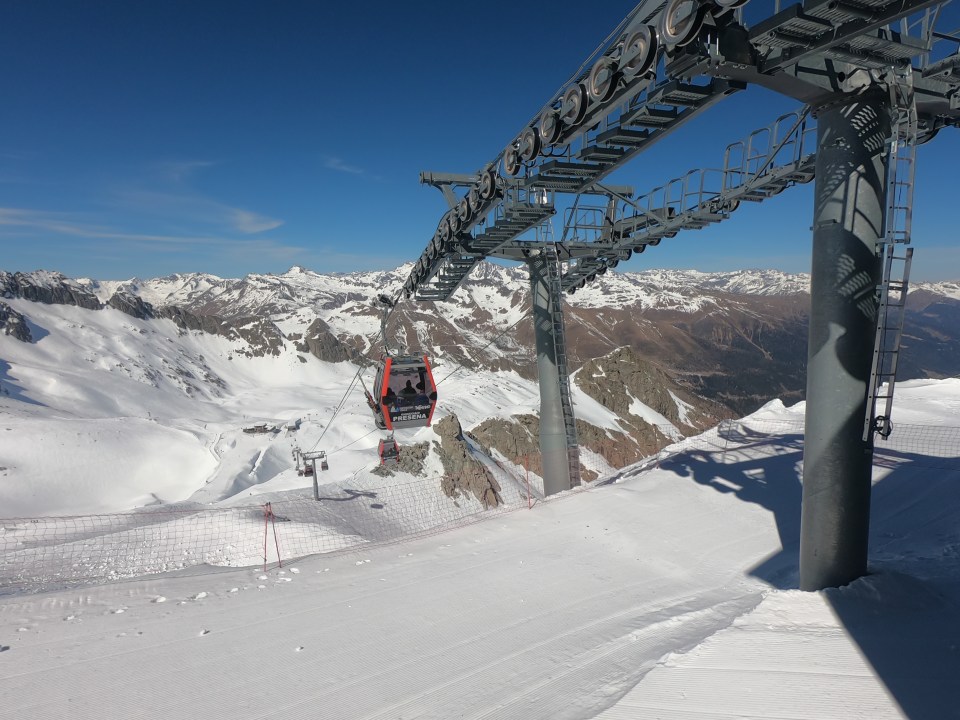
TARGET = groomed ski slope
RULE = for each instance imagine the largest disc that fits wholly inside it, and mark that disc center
(667, 594)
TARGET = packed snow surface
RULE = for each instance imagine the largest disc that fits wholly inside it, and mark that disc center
(667, 590)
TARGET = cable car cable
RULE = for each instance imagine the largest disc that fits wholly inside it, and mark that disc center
(388, 307)
(354, 442)
(460, 365)
(339, 407)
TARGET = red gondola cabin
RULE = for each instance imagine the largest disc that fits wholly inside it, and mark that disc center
(389, 452)
(405, 392)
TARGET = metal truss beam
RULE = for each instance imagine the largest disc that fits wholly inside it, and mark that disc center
(842, 30)
(812, 51)
(840, 56)
(762, 165)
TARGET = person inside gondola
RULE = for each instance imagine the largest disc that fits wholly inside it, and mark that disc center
(421, 394)
(408, 391)
(390, 397)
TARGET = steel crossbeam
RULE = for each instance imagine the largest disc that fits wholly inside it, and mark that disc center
(794, 51)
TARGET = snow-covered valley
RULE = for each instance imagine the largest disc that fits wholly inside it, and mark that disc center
(665, 589)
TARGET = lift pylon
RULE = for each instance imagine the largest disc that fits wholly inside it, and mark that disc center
(558, 434)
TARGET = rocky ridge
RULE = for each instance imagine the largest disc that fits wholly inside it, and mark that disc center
(693, 347)
(14, 324)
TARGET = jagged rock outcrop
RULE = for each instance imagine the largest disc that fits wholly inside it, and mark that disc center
(50, 288)
(14, 324)
(517, 440)
(462, 473)
(621, 378)
(132, 305)
(412, 458)
(186, 320)
(262, 336)
(653, 410)
(619, 449)
(320, 342)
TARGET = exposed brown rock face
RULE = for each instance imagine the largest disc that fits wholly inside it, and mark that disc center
(462, 473)
(738, 351)
(263, 337)
(616, 381)
(617, 448)
(517, 439)
(186, 320)
(694, 347)
(623, 377)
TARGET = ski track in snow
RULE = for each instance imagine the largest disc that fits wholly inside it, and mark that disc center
(636, 599)
(666, 594)
(489, 633)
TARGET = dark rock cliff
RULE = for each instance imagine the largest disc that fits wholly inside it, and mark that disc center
(51, 288)
(14, 324)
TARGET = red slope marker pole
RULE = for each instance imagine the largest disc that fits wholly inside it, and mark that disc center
(268, 518)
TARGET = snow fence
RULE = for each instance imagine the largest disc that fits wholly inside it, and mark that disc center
(46, 553)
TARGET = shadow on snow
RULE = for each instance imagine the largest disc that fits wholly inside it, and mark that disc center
(905, 614)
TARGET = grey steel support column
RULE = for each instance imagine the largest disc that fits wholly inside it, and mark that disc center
(553, 436)
(848, 220)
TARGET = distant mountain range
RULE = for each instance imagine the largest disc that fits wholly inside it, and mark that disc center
(720, 344)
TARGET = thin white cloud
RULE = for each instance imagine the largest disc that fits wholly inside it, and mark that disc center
(55, 222)
(65, 224)
(165, 192)
(194, 208)
(250, 222)
(335, 163)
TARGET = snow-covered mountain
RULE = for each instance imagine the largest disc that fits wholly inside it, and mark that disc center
(655, 356)
(674, 574)
(707, 328)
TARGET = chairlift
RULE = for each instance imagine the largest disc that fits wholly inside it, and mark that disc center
(389, 452)
(310, 461)
(404, 392)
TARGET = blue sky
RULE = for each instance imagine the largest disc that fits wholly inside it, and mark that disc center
(146, 138)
